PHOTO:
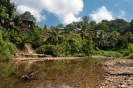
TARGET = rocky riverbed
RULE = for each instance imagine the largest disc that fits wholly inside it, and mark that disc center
(118, 74)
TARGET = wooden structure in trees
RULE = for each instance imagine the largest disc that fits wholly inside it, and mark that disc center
(26, 25)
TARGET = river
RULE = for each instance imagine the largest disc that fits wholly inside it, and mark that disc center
(78, 73)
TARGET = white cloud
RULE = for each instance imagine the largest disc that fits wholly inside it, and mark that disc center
(65, 10)
(101, 14)
(34, 12)
(122, 15)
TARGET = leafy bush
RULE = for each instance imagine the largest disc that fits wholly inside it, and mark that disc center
(48, 49)
(87, 47)
(6, 48)
(35, 37)
(128, 51)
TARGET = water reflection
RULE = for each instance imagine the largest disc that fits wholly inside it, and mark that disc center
(81, 73)
(41, 86)
(64, 86)
(50, 86)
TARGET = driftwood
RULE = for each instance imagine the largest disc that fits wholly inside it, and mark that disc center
(30, 76)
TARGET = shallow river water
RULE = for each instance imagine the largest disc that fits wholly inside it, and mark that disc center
(79, 73)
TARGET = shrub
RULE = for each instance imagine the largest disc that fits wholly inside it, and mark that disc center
(47, 49)
(6, 48)
(128, 51)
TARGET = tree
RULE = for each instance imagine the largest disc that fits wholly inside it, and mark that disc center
(122, 42)
(6, 48)
(28, 16)
(113, 39)
(102, 40)
(10, 7)
(119, 25)
(87, 47)
(3, 15)
(60, 26)
(84, 31)
(7, 10)
(131, 26)
(54, 35)
(35, 37)
(102, 26)
(17, 20)
(85, 19)
(129, 36)
(69, 28)
(92, 25)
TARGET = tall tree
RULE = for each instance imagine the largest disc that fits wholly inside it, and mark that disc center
(3, 15)
(131, 26)
(119, 25)
(102, 26)
(7, 10)
(28, 16)
(85, 19)
(10, 7)
(92, 25)
(54, 35)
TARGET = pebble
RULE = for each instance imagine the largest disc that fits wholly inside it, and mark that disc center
(117, 81)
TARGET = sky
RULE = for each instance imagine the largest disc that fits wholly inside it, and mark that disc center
(54, 12)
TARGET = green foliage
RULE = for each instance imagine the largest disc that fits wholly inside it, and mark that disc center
(35, 37)
(85, 19)
(107, 53)
(128, 51)
(87, 47)
(5, 71)
(28, 16)
(76, 39)
(102, 26)
(15, 39)
(3, 12)
(75, 43)
(71, 45)
(47, 49)
(119, 25)
(131, 26)
(10, 7)
(6, 48)
(122, 42)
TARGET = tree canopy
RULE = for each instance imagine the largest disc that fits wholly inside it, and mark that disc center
(82, 38)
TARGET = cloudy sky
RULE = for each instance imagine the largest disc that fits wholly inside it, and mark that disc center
(54, 12)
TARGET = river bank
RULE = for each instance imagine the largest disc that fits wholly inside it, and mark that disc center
(118, 74)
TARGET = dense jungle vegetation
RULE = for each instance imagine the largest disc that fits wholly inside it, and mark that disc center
(84, 38)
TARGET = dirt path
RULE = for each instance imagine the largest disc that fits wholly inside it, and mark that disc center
(118, 74)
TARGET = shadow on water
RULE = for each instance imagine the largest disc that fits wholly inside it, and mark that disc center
(80, 73)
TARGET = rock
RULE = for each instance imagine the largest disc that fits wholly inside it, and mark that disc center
(118, 74)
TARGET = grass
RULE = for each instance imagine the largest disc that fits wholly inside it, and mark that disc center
(107, 53)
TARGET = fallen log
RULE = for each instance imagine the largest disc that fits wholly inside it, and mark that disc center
(30, 76)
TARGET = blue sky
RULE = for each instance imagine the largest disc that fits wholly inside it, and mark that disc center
(54, 12)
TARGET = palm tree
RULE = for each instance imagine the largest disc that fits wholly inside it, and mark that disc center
(129, 36)
(102, 39)
(54, 35)
(83, 32)
(113, 38)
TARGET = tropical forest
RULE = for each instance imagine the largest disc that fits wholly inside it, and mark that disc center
(84, 38)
